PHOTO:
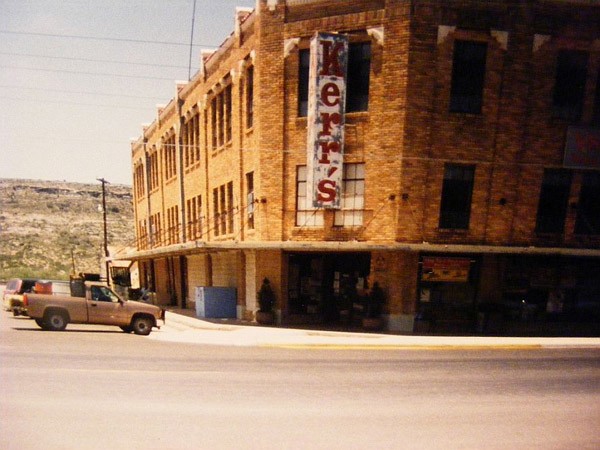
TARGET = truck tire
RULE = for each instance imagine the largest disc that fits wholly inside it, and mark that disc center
(55, 320)
(142, 325)
(41, 324)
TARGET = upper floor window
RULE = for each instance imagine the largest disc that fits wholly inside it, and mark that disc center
(170, 157)
(191, 141)
(194, 217)
(153, 163)
(569, 87)
(221, 118)
(250, 199)
(306, 214)
(552, 207)
(588, 208)
(139, 181)
(457, 191)
(223, 209)
(596, 116)
(250, 97)
(353, 197)
(357, 78)
(468, 77)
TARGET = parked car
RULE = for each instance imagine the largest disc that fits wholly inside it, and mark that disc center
(13, 294)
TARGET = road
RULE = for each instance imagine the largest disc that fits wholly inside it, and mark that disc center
(98, 388)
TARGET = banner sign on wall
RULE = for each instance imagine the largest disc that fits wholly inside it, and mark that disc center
(438, 268)
(326, 108)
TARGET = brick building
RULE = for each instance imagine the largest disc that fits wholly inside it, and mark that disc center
(471, 168)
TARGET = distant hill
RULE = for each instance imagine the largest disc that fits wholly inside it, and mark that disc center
(46, 225)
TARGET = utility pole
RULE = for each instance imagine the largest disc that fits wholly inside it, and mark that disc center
(104, 183)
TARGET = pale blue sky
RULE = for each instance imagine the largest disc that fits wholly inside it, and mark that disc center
(78, 78)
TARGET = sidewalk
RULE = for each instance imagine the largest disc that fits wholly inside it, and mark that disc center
(182, 326)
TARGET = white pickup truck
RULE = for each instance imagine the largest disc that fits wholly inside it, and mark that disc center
(99, 306)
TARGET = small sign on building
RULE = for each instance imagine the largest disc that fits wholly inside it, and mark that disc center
(326, 109)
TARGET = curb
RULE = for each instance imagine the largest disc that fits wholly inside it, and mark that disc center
(302, 339)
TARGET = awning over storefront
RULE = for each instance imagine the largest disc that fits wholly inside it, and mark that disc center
(348, 246)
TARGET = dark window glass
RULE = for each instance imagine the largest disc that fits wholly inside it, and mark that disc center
(357, 79)
(468, 76)
(571, 73)
(250, 97)
(588, 208)
(358, 76)
(304, 67)
(596, 117)
(554, 196)
(455, 209)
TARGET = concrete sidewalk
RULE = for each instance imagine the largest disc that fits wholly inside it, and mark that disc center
(186, 329)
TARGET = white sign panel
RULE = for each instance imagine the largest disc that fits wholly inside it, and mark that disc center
(326, 108)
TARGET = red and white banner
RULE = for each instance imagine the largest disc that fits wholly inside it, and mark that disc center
(326, 109)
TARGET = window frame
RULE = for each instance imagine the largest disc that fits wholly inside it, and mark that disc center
(455, 212)
(469, 66)
(552, 209)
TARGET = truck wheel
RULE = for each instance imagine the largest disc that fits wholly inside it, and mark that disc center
(142, 325)
(41, 324)
(55, 321)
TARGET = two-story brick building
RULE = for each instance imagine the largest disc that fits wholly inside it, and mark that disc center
(470, 188)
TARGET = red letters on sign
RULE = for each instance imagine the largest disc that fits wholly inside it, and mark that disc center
(331, 59)
(326, 148)
(330, 94)
(326, 191)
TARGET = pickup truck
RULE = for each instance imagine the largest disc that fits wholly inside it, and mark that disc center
(97, 305)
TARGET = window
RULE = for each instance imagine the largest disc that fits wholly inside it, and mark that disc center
(353, 197)
(229, 207)
(588, 208)
(457, 189)
(138, 181)
(173, 225)
(153, 170)
(468, 76)
(223, 209)
(250, 97)
(306, 214)
(170, 156)
(191, 141)
(357, 80)
(221, 118)
(359, 69)
(596, 116)
(303, 73)
(142, 235)
(155, 230)
(552, 207)
(569, 87)
(250, 200)
(194, 218)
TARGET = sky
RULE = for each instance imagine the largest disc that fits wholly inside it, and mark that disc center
(79, 78)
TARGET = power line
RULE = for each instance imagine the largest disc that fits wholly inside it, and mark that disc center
(67, 58)
(76, 72)
(98, 38)
(67, 91)
(62, 102)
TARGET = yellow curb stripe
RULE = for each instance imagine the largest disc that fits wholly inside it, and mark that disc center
(402, 347)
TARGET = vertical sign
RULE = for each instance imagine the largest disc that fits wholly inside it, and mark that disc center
(326, 107)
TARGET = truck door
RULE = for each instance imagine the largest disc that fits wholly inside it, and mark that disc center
(105, 307)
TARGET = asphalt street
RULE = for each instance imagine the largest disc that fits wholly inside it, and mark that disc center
(94, 387)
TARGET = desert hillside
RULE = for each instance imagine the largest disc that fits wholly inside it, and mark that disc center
(46, 226)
